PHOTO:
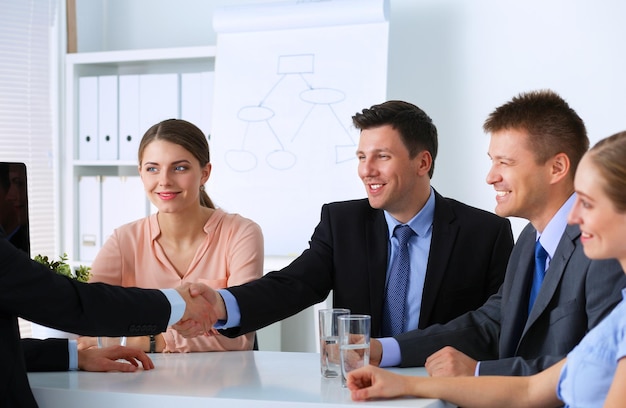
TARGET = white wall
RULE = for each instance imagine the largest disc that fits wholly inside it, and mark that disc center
(456, 59)
(459, 60)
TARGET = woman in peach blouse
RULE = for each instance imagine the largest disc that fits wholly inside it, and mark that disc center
(187, 240)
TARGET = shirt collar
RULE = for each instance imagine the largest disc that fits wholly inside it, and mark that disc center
(554, 230)
(422, 221)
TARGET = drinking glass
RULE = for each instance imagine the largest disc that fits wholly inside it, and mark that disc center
(111, 341)
(329, 341)
(354, 343)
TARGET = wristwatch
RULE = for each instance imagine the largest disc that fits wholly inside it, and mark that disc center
(152, 343)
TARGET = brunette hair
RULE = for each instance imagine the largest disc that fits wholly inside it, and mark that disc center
(188, 136)
(415, 127)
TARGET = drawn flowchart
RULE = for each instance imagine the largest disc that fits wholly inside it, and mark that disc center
(288, 78)
(258, 119)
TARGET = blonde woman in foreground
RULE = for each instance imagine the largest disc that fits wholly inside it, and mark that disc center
(594, 373)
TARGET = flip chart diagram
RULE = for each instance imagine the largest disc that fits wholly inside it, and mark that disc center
(289, 76)
(259, 118)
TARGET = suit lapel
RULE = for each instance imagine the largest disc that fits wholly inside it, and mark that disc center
(376, 245)
(554, 273)
(515, 299)
(444, 235)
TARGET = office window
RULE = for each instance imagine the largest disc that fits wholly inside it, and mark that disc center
(28, 60)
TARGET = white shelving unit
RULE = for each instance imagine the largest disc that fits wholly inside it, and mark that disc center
(116, 63)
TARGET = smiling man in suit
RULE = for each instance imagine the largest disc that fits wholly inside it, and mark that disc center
(456, 253)
(536, 143)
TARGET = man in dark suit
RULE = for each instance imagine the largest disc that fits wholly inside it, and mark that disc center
(457, 255)
(536, 143)
(29, 290)
(53, 354)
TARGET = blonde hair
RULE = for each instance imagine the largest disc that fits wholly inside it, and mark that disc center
(609, 157)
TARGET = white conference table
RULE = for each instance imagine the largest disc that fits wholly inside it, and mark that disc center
(225, 379)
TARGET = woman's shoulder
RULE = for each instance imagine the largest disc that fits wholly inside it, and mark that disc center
(228, 220)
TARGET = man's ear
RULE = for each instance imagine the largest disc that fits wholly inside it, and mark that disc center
(560, 168)
(424, 162)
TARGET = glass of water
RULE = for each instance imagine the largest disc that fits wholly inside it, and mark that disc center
(354, 343)
(111, 341)
(329, 341)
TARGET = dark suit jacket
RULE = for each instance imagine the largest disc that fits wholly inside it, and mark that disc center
(348, 255)
(576, 294)
(29, 290)
(46, 355)
(21, 239)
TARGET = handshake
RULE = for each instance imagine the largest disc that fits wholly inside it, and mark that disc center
(204, 307)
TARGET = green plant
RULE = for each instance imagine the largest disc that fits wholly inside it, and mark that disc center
(81, 273)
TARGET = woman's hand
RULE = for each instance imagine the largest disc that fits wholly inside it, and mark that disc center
(372, 382)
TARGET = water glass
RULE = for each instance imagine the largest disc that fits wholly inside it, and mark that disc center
(354, 343)
(111, 341)
(329, 341)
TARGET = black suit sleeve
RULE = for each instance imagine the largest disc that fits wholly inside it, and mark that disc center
(32, 292)
(501, 250)
(29, 290)
(46, 355)
(280, 294)
(348, 255)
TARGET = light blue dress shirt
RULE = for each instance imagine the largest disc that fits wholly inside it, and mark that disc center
(588, 373)
(551, 235)
(72, 347)
(549, 238)
(419, 249)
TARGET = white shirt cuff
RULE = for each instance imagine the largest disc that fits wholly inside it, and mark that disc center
(177, 304)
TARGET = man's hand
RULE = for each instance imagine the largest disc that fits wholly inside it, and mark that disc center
(376, 352)
(211, 296)
(105, 359)
(450, 362)
(204, 306)
(85, 342)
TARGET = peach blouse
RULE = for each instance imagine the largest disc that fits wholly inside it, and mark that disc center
(231, 254)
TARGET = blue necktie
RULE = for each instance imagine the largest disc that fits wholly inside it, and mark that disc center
(394, 307)
(540, 272)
